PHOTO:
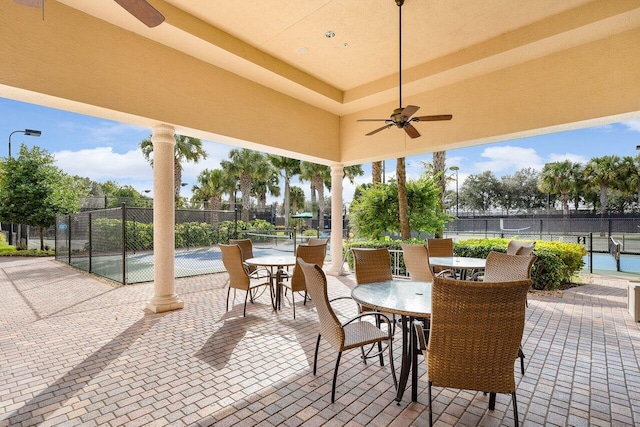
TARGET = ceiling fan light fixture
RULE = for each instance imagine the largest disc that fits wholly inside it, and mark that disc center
(402, 116)
(329, 34)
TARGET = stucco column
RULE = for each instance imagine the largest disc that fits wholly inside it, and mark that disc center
(164, 296)
(337, 174)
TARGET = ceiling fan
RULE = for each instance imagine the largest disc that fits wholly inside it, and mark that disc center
(141, 9)
(402, 117)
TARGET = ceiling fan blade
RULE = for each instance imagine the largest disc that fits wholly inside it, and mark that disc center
(143, 11)
(31, 3)
(432, 118)
(379, 129)
(409, 111)
(411, 131)
(372, 120)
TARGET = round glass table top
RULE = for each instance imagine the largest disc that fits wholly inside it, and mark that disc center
(396, 296)
(458, 262)
(272, 260)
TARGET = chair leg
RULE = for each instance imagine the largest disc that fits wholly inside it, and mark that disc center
(244, 313)
(430, 406)
(393, 369)
(335, 377)
(515, 409)
(521, 356)
(305, 298)
(228, 293)
(492, 401)
(293, 303)
(315, 355)
(378, 323)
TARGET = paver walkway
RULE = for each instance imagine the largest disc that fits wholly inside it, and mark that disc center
(78, 351)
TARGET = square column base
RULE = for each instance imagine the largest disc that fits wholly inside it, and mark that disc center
(633, 299)
(162, 304)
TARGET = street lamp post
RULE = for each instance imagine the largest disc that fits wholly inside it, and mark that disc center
(456, 169)
(28, 132)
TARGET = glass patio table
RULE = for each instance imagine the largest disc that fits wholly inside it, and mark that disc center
(459, 264)
(410, 300)
(274, 262)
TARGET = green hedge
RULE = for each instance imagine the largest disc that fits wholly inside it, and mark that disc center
(139, 236)
(556, 262)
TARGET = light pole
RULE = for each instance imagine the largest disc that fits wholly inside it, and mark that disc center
(456, 169)
(28, 132)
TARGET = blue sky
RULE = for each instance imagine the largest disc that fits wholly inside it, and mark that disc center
(105, 150)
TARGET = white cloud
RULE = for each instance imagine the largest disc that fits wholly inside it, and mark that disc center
(102, 164)
(632, 125)
(508, 159)
(576, 158)
(105, 132)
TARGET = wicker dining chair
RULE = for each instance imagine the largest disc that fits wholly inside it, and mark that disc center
(354, 333)
(372, 265)
(317, 241)
(476, 329)
(416, 259)
(506, 268)
(312, 255)
(516, 247)
(246, 246)
(440, 247)
(239, 278)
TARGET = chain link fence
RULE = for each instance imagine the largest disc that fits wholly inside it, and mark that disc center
(117, 243)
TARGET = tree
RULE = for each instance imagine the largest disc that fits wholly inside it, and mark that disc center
(261, 187)
(603, 172)
(375, 209)
(186, 149)
(212, 185)
(507, 193)
(376, 172)
(246, 166)
(558, 178)
(288, 168)
(317, 175)
(296, 199)
(33, 191)
(401, 175)
(478, 191)
(529, 197)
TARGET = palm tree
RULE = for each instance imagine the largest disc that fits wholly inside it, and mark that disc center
(376, 172)
(288, 168)
(261, 187)
(296, 199)
(603, 172)
(403, 204)
(439, 164)
(317, 175)
(246, 166)
(212, 185)
(559, 178)
(186, 149)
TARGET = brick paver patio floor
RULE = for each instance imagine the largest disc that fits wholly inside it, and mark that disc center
(79, 351)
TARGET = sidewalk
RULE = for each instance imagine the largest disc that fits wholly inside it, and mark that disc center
(79, 351)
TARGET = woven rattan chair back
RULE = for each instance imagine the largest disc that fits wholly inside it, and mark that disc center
(416, 259)
(516, 247)
(372, 265)
(316, 281)
(506, 268)
(232, 260)
(245, 246)
(310, 254)
(476, 329)
(440, 247)
(317, 241)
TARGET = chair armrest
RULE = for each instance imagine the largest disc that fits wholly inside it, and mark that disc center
(368, 313)
(339, 298)
(258, 273)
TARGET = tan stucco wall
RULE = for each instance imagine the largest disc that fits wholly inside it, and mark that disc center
(73, 56)
(560, 91)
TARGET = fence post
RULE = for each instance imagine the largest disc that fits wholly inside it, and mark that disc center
(69, 236)
(55, 238)
(591, 253)
(90, 247)
(610, 226)
(236, 222)
(124, 243)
